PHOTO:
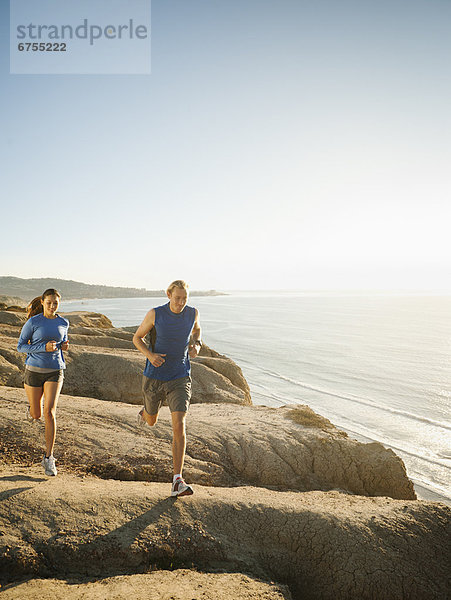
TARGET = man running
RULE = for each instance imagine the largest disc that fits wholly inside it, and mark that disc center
(167, 371)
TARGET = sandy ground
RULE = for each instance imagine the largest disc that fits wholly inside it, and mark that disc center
(227, 445)
(132, 533)
(160, 585)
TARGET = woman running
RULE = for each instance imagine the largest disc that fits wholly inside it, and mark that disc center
(43, 337)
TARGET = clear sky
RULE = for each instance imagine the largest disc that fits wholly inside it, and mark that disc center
(284, 144)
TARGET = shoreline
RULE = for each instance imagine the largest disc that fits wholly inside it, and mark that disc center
(420, 478)
(421, 489)
(420, 473)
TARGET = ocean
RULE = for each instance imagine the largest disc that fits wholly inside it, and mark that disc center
(377, 366)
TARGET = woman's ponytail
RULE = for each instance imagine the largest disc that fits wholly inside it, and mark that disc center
(35, 307)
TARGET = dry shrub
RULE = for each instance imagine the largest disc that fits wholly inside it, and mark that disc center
(304, 415)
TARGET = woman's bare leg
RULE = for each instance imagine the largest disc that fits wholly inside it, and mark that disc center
(52, 391)
(34, 395)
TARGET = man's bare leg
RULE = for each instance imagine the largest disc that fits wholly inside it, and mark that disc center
(149, 419)
(179, 487)
(178, 441)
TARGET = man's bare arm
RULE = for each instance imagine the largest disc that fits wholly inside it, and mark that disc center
(155, 358)
(194, 348)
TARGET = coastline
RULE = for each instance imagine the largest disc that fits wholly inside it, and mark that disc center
(286, 471)
(106, 515)
(229, 328)
(77, 290)
(423, 491)
(420, 481)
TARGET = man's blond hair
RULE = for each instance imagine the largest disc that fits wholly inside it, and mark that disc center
(178, 283)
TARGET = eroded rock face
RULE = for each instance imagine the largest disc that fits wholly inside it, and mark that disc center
(227, 445)
(8, 317)
(88, 319)
(11, 367)
(182, 584)
(117, 375)
(324, 545)
(102, 362)
(8, 301)
(224, 366)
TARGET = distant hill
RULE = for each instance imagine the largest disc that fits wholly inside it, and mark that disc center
(75, 290)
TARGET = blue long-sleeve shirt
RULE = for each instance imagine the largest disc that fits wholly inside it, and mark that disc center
(35, 334)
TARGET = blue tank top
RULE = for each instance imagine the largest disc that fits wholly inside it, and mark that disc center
(173, 331)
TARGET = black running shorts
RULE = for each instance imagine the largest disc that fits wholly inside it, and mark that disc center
(35, 379)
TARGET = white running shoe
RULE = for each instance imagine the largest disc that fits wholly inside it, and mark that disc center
(140, 419)
(180, 488)
(49, 466)
(30, 418)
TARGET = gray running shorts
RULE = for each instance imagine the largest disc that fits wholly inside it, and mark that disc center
(177, 394)
(35, 379)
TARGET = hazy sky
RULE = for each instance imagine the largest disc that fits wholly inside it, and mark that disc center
(276, 144)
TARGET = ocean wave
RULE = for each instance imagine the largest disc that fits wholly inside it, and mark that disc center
(362, 401)
(441, 491)
(367, 434)
(272, 397)
(417, 454)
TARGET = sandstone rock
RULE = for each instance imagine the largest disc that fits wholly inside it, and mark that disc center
(12, 318)
(11, 368)
(117, 376)
(18, 309)
(6, 301)
(89, 333)
(11, 332)
(88, 319)
(106, 376)
(227, 368)
(103, 363)
(9, 373)
(94, 332)
(210, 386)
(100, 341)
(324, 545)
(226, 445)
(182, 584)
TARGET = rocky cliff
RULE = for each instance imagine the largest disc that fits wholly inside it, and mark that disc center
(103, 363)
(285, 504)
(228, 445)
(323, 545)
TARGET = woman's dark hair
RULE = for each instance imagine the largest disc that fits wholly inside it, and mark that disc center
(35, 307)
